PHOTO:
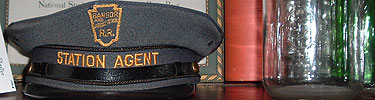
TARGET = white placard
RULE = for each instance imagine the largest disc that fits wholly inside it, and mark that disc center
(25, 9)
(6, 77)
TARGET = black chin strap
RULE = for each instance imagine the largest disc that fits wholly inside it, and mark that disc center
(111, 76)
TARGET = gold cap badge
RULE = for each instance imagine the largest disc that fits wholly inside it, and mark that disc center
(105, 22)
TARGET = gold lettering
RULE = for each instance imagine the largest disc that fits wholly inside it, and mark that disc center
(116, 14)
(66, 57)
(127, 60)
(83, 60)
(99, 25)
(117, 63)
(101, 62)
(92, 61)
(101, 33)
(155, 57)
(147, 58)
(136, 59)
(94, 15)
(111, 14)
(77, 56)
(59, 58)
(102, 15)
(109, 32)
(98, 61)
(71, 59)
(105, 15)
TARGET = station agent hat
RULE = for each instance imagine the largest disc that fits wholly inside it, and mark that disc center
(115, 49)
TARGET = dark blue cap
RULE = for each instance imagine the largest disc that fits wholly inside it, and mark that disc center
(115, 45)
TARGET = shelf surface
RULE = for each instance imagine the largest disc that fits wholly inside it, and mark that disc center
(205, 91)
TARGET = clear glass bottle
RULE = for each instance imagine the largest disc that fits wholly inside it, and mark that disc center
(363, 44)
(306, 51)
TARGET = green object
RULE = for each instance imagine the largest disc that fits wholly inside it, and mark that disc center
(17, 71)
(213, 70)
(3, 14)
(369, 43)
(342, 10)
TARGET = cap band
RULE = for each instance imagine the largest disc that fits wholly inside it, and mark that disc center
(111, 76)
(193, 79)
(111, 59)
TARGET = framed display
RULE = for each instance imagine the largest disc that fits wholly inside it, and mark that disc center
(213, 69)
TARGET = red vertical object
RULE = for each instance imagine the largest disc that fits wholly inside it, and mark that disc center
(243, 40)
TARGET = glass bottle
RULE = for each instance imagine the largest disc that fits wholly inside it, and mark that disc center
(306, 51)
(363, 44)
(369, 45)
